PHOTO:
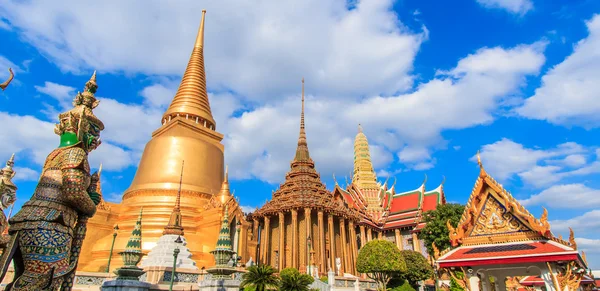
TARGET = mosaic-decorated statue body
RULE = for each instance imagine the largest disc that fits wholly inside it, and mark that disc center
(47, 233)
(8, 196)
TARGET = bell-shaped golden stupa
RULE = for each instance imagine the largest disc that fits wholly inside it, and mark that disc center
(188, 133)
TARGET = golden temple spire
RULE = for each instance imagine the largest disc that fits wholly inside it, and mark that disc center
(175, 221)
(302, 150)
(225, 193)
(364, 175)
(191, 99)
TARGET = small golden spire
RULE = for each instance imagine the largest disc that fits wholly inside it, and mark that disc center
(175, 225)
(225, 193)
(360, 129)
(191, 99)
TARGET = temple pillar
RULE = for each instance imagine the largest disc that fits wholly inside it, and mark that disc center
(353, 247)
(344, 267)
(398, 238)
(266, 247)
(295, 251)
(331, 231)
(363, 236)
(307, 217)
(416, 244)
(380, 235)
(281, 240)
(322, 257)
(255, 235)
(369, 234)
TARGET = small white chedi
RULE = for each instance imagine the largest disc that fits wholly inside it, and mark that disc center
(162, 254)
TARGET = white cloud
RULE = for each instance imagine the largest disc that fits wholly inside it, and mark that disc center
(461, 97)
(569, 91)
(506, 159)
(520, 7)
(57, 91)
(25, 174)
(258, 43)
(267, 49)
(574, 196)
(585, 224)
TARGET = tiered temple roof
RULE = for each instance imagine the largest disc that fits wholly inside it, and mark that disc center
(496, 229)
(303, 186)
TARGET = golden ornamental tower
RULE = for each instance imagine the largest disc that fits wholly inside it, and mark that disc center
(364, 176)
(188, 132)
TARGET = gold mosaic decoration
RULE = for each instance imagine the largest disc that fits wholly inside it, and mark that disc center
(494, 219)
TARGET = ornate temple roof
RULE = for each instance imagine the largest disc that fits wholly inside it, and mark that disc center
(496, 229)
(303, 186)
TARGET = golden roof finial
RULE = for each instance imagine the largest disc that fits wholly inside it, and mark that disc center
(572, 241)
(302, 150)
(7, 82)
(191, 99)
(360, 129)
(200, 36)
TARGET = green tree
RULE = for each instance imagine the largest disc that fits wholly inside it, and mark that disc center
(380, 260)
(292, 280)
(260, 277)
(436, 230)
(455, 286)
(404, 287)
(417, 268)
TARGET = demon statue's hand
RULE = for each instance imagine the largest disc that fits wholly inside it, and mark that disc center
(95, 197)
(93, 188)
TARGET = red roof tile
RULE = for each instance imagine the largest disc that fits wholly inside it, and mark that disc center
(532, 251)
(430, 201)
(406, 202)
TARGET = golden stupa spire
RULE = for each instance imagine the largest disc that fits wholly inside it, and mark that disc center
(302, 149)
(175, 224)
(224, 193)
(191, 99)
(364, 174)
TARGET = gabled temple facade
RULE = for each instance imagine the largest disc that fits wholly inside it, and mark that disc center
(497, 241)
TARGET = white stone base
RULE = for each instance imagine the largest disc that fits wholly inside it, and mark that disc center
(162, 254)
(219, 285)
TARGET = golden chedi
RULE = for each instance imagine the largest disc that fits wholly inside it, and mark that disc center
(188, 132)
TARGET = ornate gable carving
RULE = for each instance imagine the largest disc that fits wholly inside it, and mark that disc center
(493, 215)
(494, 219)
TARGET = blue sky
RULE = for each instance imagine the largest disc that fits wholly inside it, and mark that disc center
(432, 82)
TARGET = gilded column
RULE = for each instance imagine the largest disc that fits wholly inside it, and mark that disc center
(281, 240)
(322, 257)
(416, 244)
(369, 234)
(308, 218)
(294, 238)
(398, 238)
(363, 237)
(380, 235)
(266, 247)
(344, 267)
(255, 229)
(353, 247)
(331, 231)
